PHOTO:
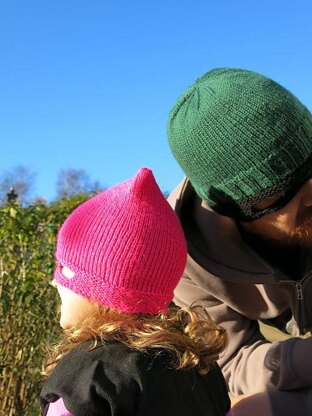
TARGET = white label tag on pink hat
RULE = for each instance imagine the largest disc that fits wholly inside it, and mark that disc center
(67, 272)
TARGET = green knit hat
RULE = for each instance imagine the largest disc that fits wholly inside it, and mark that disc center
(241, 137)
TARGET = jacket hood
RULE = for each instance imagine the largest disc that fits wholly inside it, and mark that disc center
(214, 241)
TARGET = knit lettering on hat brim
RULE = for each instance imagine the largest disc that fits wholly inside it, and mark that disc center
(244, 210)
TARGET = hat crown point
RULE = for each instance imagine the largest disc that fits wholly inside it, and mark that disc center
(144, 184)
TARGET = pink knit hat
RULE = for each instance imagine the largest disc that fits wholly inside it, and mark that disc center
(125, 246)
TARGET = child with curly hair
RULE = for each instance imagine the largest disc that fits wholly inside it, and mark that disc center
(125, 350)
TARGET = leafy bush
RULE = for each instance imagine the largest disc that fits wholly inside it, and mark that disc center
(28, 303)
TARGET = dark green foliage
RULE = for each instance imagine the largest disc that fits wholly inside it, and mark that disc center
(28, 303)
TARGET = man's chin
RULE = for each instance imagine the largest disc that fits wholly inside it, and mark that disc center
(302, 237)
(295, 239)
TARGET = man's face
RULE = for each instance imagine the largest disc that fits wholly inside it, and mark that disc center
(291, 225)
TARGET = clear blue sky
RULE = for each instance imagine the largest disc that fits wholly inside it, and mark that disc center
(89, 84)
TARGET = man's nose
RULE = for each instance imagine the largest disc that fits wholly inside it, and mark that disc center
(306, 191)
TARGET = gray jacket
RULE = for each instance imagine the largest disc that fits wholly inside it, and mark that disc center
(237, 288)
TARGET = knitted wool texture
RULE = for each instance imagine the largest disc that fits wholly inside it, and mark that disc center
(125, 246)
(236, 133)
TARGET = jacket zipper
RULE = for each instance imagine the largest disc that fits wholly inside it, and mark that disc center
(299, 291)
(300, 299)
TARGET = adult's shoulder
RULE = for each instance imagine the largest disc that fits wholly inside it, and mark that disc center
(181, 193)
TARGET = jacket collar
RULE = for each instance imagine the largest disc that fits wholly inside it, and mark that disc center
(214, 241)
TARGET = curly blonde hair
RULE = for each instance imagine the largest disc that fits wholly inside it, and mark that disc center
(191, 336)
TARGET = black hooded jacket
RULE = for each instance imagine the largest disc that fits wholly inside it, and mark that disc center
(114, 380)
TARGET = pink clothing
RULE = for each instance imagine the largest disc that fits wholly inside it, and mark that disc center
(58, 409)
(125, 247)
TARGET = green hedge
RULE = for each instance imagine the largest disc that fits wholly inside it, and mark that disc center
(29, 304)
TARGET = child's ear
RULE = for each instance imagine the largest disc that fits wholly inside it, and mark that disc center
(67, 272)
